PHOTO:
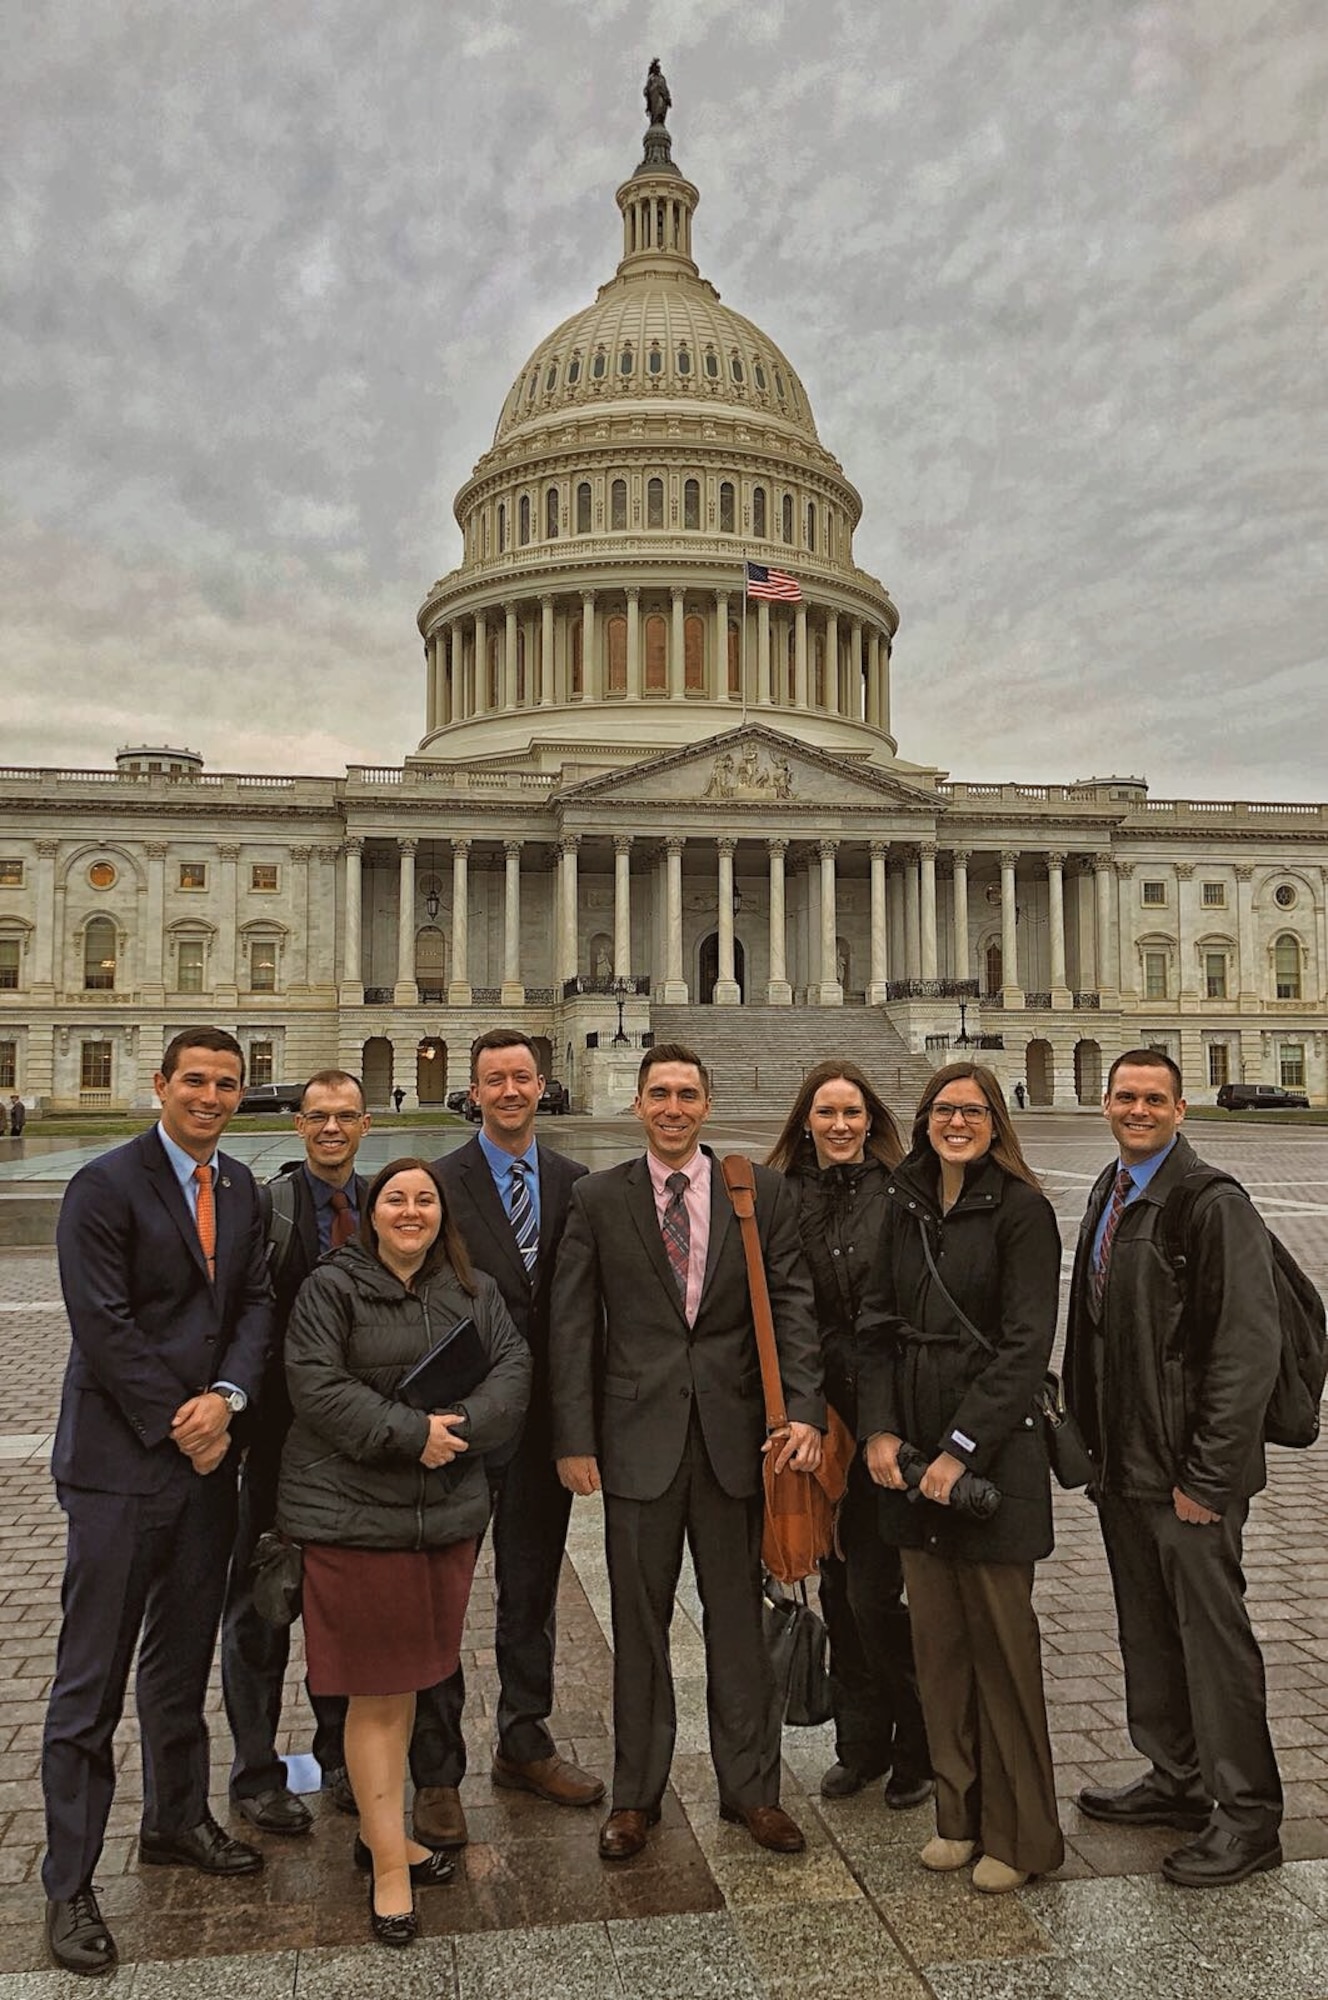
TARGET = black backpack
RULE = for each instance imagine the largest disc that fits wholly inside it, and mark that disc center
(1292, 1416)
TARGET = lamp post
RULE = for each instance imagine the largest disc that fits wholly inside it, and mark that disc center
(620, 989)
(963, 1024)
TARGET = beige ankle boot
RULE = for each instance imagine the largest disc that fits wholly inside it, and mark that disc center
(942, 1855)
(997, 1878)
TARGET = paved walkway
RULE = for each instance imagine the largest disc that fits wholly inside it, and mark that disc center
(704, 1913)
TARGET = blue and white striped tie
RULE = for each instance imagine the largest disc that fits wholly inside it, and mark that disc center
(522, 1214)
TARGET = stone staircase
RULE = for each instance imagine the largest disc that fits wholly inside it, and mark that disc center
(758, 1056)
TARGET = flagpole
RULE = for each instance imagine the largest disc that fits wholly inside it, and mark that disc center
(742, 649)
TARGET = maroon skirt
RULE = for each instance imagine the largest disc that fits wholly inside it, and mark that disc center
(384, 1621)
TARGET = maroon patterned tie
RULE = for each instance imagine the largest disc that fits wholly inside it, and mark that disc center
(1123, 1190)
(343, 1222)
(677, 1231)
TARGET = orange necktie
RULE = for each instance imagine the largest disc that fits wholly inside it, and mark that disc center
(207, 1218)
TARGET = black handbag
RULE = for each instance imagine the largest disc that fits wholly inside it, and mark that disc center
(1067, 1454)
(277, 1570)
(796, 1641)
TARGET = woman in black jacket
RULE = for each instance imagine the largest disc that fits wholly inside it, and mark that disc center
(837, 1147)
(388, 1501)
(969, 1237)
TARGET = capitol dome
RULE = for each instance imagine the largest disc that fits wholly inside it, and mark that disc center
(650, 449)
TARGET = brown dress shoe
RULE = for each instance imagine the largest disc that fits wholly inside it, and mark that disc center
(438, 1817)
(551, 1778)
(623, 1833)
(769, 1826)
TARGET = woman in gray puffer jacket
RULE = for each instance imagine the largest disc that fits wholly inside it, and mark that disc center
(388, 1501)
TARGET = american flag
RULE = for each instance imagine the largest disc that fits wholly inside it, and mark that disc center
(775, 584)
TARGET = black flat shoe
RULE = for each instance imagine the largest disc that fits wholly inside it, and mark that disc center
(438, 1866)
(393, 1930)
(206, 1847)
(1219, 1858)
(1144, 1803)
(77, 1937)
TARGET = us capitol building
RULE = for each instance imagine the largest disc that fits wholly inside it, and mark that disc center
(646, 802)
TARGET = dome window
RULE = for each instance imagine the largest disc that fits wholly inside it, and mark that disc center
(531, 386)
(583, 508)
(551, 378)
(502, 527)
(758, 512)
(779, 385)
(758, 373)
(726, 508)
(551, 513)
(655, 360)
(626, 362)
(811, 524)
(523, 519)
(786, 517)
(691, 504)
(655, 503)
(618, 504)
(735, 368)
(712, 364)
(574, 371)
(599, 365)
(684, 360)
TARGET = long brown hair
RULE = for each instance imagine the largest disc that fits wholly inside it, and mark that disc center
(794, 1151)
(447, 1246)
(1005, 1148)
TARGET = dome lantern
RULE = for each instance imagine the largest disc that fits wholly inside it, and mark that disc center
(657, 203)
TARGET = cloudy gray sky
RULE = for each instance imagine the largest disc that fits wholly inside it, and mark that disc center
(1053, 272)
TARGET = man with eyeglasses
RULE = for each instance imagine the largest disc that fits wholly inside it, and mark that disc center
(312, 1207)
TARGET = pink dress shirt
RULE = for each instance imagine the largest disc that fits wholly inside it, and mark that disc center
(697, 1199)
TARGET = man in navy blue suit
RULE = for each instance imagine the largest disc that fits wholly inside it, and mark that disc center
(165, 1281)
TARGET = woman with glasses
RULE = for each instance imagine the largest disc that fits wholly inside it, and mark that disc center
(838, 1146)
(956, 1333)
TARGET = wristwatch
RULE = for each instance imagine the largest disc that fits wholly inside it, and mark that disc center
(235, 1399)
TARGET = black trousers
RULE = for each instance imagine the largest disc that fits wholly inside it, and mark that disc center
(149, 1564)
(878, 1717)
(644, 1543)
(254, 1654)
(1194, 1680)
(531, 1509)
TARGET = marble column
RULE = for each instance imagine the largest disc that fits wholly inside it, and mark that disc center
(634, 643)
(872, 702)
(883, 688)
(1012, 992)
(352, 971)
(480, 704)
(1108, 977)
(830, 992)
(1249, 975)
(456, 674)
(458, 991)
(677, 650)
(513, 990)
(960, 917)
(547, 687)
(590, 674)
(675, 986)
(1127, 947)
(509, 658)
(226, 980)
(763, 685)
(727, 992)
(622, 906)
(855, 689)
(1061, 997)
(721, 686)
(833, 690)
(44, 954)
(1187, 938)
(927, 913)
(913, 916)
(800, 656)
(154, 928)
(778, 992)
(880, 955)
(896, 873)
(406, 993)
(301, 972)
(568, 930)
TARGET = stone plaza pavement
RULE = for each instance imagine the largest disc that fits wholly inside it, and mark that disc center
(703, 1912)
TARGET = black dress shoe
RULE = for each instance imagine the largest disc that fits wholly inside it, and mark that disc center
(336, 1783)
(904, 1793)
(437, 1866)
(399, 1930)
(277, 1811)
(842, 1781)
(205, 1846)
(77, 1938)
(1144, 1803)
(1220, 1857)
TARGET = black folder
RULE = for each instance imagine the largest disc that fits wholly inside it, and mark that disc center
(448, 1372)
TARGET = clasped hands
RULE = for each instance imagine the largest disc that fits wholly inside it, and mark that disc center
(882, 1457)
(201, 1430)
(442, 1446)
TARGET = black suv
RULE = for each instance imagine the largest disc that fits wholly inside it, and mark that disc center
(272, 1097)
(1261, 1097)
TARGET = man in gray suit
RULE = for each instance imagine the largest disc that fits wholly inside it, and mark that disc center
(657, 1401)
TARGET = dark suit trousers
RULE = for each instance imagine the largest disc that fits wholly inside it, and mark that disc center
(1194, 1681)
(530, 1513)
(254, 1653)
(878, 1717)
(644, 1542)
(155, 1562)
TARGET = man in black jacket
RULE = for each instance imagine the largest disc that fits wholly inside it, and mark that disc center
(509, 1196)
(310, 1209)
(1169, 1375)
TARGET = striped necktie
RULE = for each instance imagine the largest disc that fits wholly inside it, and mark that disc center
(1123, 1190)
(676, 1228)
(205, 1217)
(522, 1215)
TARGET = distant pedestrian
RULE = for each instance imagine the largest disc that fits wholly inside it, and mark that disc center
(1020, 1095)
(18, 1115)
(398, 1097)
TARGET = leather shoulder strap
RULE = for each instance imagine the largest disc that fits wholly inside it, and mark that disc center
(740, 1180)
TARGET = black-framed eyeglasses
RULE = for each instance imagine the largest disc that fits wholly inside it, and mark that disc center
(972, 1114)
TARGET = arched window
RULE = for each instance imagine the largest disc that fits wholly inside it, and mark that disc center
(758, 512)
(655, 360)
(758, 375)
(574, 371)
(684, 359)
(691, 504)
(551, 513)
(811, 524)
(779, 385)
(693, 654)
(655, 503)
(502, 527)
(551, 378)
(726, 508)
(830, 531)
(618, 504)
(736, 368)
(583, 508)
(626, 362)
(578, 660)
(657, 654)
(786, 517)
(712, 364)
(735, 660)
(599, 365)
(617, 654)
(523, 519)
(1286, 966)
(99, 956)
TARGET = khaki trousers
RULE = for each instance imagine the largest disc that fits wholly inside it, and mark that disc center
(975, 1641)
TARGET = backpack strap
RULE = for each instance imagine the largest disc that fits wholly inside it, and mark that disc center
(277, 1198)
(1178, 1214)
